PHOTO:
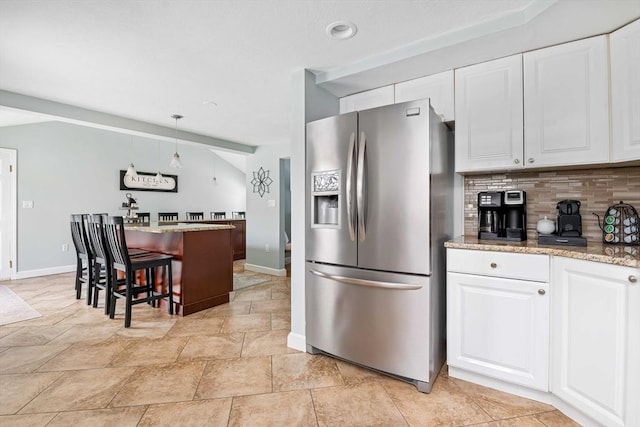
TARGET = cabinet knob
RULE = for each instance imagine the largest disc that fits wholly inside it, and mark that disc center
(530, 160)
(494, 265)
(633, 279)
(541, 291)
(516, 161)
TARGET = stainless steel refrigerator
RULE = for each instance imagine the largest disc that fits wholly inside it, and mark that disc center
(379, 206)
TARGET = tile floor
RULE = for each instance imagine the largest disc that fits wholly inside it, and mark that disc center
(226, 366)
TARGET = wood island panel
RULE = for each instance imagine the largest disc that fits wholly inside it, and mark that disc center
(202, 265)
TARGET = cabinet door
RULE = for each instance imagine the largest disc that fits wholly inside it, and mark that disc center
(488, 109)
(368, 99)
(625, 92)
(437, 87)
(595, 339)
(566, 104)
(499, 328)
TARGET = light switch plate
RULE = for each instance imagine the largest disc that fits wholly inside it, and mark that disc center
(27, 204)
(271, 203)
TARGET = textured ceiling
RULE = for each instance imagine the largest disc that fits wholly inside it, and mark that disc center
(147, 60)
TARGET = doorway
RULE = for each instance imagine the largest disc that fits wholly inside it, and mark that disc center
(8, 195)
(285, 212)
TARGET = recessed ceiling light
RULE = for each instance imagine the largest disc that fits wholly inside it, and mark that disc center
(209, 104)
(342, 30)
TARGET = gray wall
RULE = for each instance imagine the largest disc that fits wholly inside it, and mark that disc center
(310, 102)
(65, 168)
(263, 221)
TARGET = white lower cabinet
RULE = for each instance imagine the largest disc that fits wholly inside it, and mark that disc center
(595, 340)
(498, 325)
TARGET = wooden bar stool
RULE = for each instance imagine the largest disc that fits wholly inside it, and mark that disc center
(167, 216)
(122, 261)
(195, 215)
(84, 259)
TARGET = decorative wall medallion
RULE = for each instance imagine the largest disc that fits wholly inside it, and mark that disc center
(146, 181)
(261, 181)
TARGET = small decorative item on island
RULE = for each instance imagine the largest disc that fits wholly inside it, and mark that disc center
(130, 205)
(620, 225)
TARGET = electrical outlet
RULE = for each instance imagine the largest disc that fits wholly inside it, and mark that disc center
(27, 204)
(266, 248)
(65, 247)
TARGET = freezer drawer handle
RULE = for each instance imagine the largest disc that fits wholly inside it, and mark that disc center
(370, 283)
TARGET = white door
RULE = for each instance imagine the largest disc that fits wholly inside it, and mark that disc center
(625, 92)
(595, 339)
(499, 327)
(566, 104)
(488, 110)
(7, 213)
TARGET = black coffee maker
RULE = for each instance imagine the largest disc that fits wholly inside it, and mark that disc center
(569, 219)
(569, 228)
(502, 215)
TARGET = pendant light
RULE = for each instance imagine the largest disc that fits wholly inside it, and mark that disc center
(175, 160)
(131, 170)
(158, 175)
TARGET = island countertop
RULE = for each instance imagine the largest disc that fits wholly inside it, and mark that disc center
(624, 255)
(173, 227)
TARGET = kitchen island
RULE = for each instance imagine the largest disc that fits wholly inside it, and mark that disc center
(202, 265)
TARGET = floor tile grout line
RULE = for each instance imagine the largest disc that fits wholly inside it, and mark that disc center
(36, 396)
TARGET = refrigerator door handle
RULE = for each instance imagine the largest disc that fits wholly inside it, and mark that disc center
(361, 188)
(370, 283)
(350, 212)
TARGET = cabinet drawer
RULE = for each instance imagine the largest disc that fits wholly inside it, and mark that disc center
(499, 264)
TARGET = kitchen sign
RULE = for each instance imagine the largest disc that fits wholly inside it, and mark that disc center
(145, 181)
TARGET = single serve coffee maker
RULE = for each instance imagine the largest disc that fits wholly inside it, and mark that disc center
(502, 215)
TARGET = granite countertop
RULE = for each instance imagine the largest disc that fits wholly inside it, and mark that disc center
(624, 255)
(155, 227)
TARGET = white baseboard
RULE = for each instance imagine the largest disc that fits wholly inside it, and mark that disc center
(265, 270)
(297, 342)
(27, 274)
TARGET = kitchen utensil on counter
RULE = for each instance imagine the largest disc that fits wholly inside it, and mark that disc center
(569, 226)
(545, 226)
(620, 224)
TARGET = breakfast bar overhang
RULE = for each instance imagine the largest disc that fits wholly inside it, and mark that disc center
(202, 264)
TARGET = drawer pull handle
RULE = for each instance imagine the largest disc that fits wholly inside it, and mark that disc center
(541, 291)
(494, 265)
(633, 279)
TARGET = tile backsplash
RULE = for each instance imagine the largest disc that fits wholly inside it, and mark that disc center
(596, 189)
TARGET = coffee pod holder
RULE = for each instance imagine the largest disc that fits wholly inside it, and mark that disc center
(620, 225)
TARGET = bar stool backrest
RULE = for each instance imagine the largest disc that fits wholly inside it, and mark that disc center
(79, 235)
(237, 214)
(144, 216)
(117, 244)
(167, 216)
(195, 215)
(218, 215)
(97, 239)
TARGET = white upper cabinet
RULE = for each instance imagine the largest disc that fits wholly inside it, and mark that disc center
(566, 104)
(367, 99)
(625, 92)
(489, 118)
(437, 87)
